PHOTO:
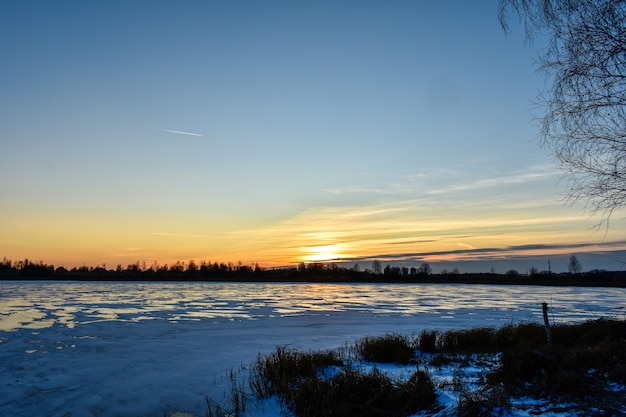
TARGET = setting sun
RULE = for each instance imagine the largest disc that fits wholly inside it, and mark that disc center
(322, 253)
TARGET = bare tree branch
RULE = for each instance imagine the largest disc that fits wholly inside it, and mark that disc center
(584, 120)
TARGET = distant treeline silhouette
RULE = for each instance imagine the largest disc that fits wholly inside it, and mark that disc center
(310, 272)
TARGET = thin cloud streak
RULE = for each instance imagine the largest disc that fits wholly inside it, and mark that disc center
(533, 173)
(508, 252)
(407, 228)
(180, 132)
(448, 182)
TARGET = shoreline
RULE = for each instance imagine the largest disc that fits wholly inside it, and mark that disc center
(615, 279)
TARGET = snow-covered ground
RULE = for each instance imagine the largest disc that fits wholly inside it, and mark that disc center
(155, 349)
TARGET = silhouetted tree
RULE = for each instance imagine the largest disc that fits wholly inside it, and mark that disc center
(133, 268)
(27, 268)
(424, 269)
(192, 266)
(5, 262)
(392, 270)
(574, 266)
(376, 267)
(584, 123)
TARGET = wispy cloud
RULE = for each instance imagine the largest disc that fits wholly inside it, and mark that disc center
(507, 252)
(445, 181)
(180, 132)
(533, 173)
(401, 229)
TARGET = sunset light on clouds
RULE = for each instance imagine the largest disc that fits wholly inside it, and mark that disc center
(278, 133)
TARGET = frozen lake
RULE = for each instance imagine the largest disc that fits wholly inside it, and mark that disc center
(144, 349)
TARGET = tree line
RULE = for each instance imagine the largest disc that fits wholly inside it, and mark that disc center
(304, 272)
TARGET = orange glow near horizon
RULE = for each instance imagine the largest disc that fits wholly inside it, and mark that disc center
(341, 234)
(430, 252)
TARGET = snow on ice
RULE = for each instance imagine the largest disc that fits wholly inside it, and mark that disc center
(155, 349)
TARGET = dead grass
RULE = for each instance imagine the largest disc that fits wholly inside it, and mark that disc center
(584, 360)
(315, 384)
(483, 402)
(427, 341)
(391, 348)
(351, 392)
(279, 372)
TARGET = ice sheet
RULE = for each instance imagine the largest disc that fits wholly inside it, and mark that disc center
(146, 349)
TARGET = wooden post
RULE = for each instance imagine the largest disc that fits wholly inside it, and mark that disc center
(546, 323)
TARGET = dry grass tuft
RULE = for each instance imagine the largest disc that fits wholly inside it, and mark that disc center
(391, 348)
(579, 368)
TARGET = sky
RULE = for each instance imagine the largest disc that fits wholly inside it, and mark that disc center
(280, 132)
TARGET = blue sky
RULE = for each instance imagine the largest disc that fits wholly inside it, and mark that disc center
(321, 130)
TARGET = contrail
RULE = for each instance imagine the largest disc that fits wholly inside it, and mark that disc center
(179, 132)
